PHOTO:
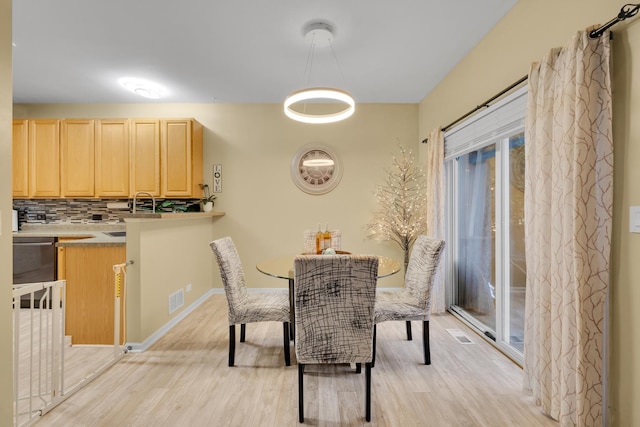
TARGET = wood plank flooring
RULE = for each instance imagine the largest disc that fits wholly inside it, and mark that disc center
(184, 380)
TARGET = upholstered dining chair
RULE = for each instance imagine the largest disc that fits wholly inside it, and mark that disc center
(413, 301)
(245, 307)
(334, 308)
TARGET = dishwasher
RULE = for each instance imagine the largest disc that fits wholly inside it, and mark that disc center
(34, 260)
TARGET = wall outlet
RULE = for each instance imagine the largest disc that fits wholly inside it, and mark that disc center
(188, 287)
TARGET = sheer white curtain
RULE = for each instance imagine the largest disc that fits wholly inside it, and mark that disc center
(435, 209)
(568, 209)
(475, 254)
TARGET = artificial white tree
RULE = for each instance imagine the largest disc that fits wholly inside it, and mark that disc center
(402, 205)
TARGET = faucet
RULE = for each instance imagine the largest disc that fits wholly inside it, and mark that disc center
(135, 199)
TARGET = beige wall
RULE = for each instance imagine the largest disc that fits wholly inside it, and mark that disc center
(6, 96)
(524, 35)
(167, 256)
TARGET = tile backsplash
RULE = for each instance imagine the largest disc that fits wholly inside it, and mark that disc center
(83, 211)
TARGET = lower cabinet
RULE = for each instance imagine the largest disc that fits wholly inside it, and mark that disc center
(88, 271)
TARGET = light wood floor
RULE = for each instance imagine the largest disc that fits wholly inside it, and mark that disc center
(184, 380)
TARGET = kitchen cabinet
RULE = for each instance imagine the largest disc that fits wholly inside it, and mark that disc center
(77, 158)
(82, 158)
(44, 158)
(181, 143)
(166, 157)
(112, 158)
(61, 258)
(145, 156)
(90, 290)
(20, 155)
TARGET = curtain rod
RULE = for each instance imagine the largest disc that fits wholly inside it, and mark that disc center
(627, 11)
(485, 104)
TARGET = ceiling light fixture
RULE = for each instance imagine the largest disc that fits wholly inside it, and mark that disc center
(143, 88)
(319, 34)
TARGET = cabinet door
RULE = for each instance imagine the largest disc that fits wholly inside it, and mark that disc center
(20, 155)
(176, 158)
(112, 158)
(77, 158)
(90, 293)
(145, 156)
(44, 158)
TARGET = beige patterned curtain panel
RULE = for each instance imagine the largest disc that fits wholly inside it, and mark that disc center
(568, 210)
(435, 210)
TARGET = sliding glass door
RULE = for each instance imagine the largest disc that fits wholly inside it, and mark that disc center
(486, 268)
(476, 278)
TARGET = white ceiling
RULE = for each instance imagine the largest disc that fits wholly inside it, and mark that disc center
(240, 51)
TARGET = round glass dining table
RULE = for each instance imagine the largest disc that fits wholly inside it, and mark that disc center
(282, 268)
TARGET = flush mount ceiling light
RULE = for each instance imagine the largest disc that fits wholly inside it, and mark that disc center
(143, 88)
(319, 34)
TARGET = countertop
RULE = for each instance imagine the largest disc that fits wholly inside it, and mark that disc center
(94, 234)
(83, 234)
(169, 215)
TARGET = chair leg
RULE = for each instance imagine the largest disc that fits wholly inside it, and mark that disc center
(243, 328)
(367, 402)
(232, 343)
(425, 342)
(300, 393)
(409, 337)
(287, 357)
(373, 356)
(358, 368)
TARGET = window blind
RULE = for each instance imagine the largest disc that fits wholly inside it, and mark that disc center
(503, 118)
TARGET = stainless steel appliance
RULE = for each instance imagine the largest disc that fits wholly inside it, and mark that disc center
(34, 260)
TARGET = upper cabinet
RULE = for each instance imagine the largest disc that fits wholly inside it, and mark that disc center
(145, 156)
(107, 158)
(44, 158)
(112, 158)
(181, 145)
(20, 152)
(77, 158)
(166, 157)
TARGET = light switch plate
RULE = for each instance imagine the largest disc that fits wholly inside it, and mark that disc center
(634, 219)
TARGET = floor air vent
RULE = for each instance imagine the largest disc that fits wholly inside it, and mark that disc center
(460, 336)
(176, 300)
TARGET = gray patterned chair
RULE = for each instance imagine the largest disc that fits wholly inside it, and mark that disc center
(413, 302)
(334, 308)
(245, 307)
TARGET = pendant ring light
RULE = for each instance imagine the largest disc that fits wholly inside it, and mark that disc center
(319, 33)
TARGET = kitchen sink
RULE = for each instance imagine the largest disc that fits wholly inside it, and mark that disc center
(116, 233)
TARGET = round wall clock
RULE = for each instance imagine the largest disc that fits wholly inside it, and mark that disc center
(315, 169)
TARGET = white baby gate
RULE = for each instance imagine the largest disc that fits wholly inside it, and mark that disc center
(39, 345)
